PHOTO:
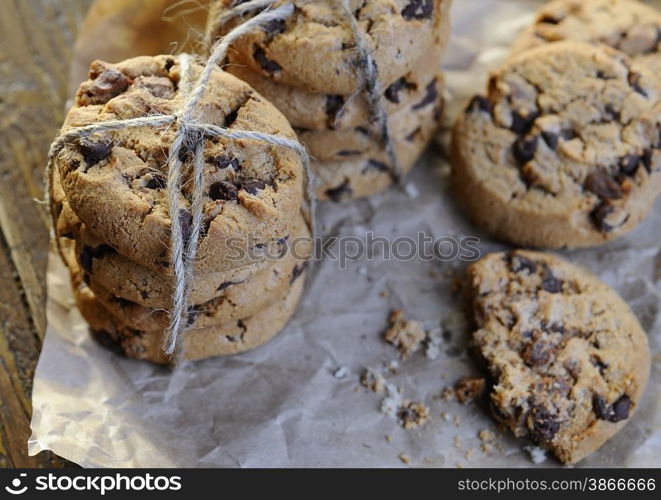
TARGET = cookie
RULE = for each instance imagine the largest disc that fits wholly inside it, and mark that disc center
(315, 50)
(231, 338)
(410, 129)
(136, 283)
(564, 149)
(115, 182)
(235, 301)
(313, 112)
(627, 25)
(569, 359)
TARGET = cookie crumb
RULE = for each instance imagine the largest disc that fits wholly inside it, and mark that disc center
(537, 454)
(389, 438)
(340, 372)
(384, 294)
(412, 415)
(457, 420)
(406, 335)
(404, 458)
(457, 442)
(486, 436)
(469, 389)
(445, 416)
(373, 380)
(469, 454)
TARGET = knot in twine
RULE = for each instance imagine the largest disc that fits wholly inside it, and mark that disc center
(190, 134)
(378, 118)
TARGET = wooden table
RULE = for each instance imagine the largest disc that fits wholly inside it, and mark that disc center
(36, 41)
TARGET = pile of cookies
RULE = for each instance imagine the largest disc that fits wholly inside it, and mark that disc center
(109, 198)
(309, 67)
(564, 148)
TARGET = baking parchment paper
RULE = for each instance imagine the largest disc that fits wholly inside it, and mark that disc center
(289, 404)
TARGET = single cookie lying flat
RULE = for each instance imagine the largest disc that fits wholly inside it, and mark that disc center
(569, 358)
(626, 25)
(564, 151)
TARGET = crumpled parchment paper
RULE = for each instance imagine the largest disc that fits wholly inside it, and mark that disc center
(286, 404)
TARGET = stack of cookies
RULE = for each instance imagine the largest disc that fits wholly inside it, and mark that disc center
(309, 66)
(109, 198)
(564, 147)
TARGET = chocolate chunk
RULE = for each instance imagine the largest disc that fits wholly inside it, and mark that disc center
(616, 412)
(274, 27)
(520, 263)
(157, 86)
(223, 190)
(521, 124)
(613, 113)
(537, 353)
(334, 105)
(110, 83)
(122, 302)
(392, 92)
(599, 217)
(629, 164)
(156, 181)
(418, 9)
(349, 152)
(185, 223)
(231, 117)
(376, 165)
(479, 103)
(88, 254)
(297, 271)
(431, 96)
(647, 159)
(549, 19)
(252, 186)
(524, 149)
(266, 64)
(542, 424)
(603, 185)
(568, 134)
(336, 194)
(551, 139)
(169, 62)
(550, 283)
(634, 82)
(222, 161)
(94, 151)
(599, 364)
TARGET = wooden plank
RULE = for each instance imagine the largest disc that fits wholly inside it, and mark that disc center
(36, 41)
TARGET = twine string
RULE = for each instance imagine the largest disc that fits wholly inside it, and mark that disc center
(377, 113)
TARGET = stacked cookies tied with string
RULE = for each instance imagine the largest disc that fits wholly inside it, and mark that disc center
(359, 80)
(239, 199)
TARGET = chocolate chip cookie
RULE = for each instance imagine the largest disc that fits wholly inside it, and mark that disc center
(134, 282)
(231, 338)
(410, 130)
(313, 112)
(315, 50)
(564, 149)
(569, 359)
(115, 182)
(627, 25)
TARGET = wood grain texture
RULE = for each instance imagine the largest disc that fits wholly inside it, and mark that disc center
(36, 41)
